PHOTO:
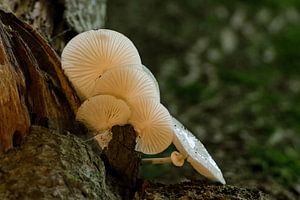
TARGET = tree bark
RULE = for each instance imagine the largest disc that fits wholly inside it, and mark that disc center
(52, 165)
(42, 157)
(33, 87)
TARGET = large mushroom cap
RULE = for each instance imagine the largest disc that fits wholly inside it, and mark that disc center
(127, 83)
(144, 68)
(196, 153)
(88, 55)
(101, 112)
(153, 124)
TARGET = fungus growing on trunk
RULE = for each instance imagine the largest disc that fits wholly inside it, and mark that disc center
(127, 83)
(100, 113)
(153, 124)
(89, 54)
(105, 68)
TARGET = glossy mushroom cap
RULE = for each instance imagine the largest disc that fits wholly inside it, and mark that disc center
(197, 155)
(88, 55)
(152, 122)
(127, 83)
(101, 112)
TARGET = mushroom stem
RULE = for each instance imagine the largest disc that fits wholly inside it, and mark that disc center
(176, 159)
(157, 160)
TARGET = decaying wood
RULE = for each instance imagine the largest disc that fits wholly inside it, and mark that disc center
(198, 190)
(122, 161)
(33, 87)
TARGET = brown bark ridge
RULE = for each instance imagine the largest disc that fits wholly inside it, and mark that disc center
(33, 87)
(122, 161)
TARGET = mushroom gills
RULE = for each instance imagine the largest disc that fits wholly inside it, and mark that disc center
(127, 83)
(100, 113)
(90, 54)
(152, 122)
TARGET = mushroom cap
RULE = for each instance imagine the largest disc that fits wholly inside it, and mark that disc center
(196, 153)
(144, 68)
(177, 159)
(89, 54)
(127, 83)
(101, 112)
(153, 124)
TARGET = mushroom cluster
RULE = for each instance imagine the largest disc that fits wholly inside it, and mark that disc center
(106, 71)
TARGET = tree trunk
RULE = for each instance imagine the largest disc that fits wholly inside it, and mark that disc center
(44, 154)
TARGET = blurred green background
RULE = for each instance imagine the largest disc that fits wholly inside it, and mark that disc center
(230, 71)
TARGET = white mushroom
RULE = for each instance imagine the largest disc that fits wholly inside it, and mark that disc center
(152, 77)
(176, 159)
(100, 113)
(88, 55)
(196, 154)
(153, 124)
(127, 83)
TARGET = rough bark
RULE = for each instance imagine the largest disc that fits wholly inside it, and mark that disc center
(50, 165)
(33, 87)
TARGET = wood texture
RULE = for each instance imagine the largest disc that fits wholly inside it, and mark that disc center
(33, 87)
(122, 161)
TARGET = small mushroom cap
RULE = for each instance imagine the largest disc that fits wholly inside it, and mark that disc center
(196, 153)
(177, 159)
(127, 83)
(152, 122)
(88, 55)
(101, 112)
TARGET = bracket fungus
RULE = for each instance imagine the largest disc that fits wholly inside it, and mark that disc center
(100, 113)
(153, 124)
(89, 54)
(189, 146)
(127, 83)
